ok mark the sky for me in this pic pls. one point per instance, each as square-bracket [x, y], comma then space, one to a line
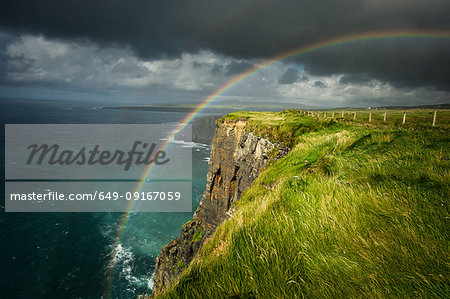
[181, 51]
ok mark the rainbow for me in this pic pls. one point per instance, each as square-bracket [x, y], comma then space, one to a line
[435, 34]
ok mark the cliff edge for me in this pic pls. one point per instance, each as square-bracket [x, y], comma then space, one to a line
[237, 158]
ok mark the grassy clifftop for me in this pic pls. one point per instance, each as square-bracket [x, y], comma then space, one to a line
[351, 211]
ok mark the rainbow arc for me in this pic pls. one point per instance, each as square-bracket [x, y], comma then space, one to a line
[354, 38]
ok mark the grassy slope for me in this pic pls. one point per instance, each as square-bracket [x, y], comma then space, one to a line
[352, 211]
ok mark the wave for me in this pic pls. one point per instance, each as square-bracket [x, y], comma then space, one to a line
[184, 143]
[125, 266]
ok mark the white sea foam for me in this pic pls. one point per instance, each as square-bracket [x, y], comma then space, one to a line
[124, 258]
[195, 145]
[201, 145]
[186, 143]
[182, 143]
[124, 262]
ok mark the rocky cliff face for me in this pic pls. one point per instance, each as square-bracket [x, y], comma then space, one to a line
[237, 158]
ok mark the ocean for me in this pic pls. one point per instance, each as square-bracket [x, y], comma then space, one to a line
[69, 255]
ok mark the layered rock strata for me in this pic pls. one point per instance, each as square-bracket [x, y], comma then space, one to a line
[237, 158]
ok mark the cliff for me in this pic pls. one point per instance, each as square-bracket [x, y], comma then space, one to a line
[348, 211]
[237, 157]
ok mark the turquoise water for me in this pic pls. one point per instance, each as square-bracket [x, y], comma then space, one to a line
[68, 255]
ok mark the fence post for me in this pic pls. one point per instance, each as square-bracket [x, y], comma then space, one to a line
[384, 119]
[343, 114]
[333, 115]
[370, 116]
[354, 115]
[434, 118]
[404, 117]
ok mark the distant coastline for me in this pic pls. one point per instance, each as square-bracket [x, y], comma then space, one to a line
[168, 108]
[224, 109]
[212, 109]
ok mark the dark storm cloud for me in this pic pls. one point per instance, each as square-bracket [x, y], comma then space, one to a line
[217, 69]
[290, 76]
[254, 29]
[19, 64]
[4, 39]
[402, 62]
[236, 67]
[197, 64]
[231, 68]
[354, 78]
[319, 84]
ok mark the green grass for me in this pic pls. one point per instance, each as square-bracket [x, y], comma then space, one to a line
[352, 211]
[181, 265]
[198, 235]
[415, 118]
[282, 127]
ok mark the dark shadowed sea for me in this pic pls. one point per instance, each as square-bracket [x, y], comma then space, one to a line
[68, 255]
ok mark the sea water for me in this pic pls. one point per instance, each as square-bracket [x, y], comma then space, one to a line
[71, 255]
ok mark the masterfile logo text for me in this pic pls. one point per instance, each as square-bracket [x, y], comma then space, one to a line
[53, 154]
[98, 168]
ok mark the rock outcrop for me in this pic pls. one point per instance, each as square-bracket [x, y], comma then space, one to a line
[237, 158]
